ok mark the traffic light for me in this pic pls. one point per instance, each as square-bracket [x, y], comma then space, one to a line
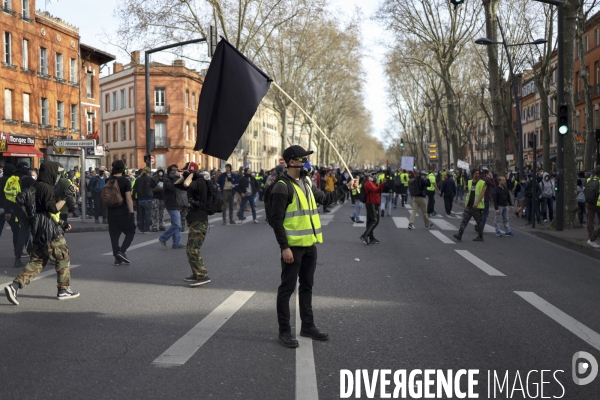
[433, 152]
[556, 184]
[401, 142]
[563, 119]
[457, 3]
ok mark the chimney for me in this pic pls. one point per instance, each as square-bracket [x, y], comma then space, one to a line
[179, 63]
[135, 57]
[117, 67]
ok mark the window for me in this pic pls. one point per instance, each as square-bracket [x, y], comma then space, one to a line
[115, 133]
[159, 99]
[130, 97]
[160, 129]
[123, 131]
[73, 70]
[74, 117]
[89, 123]
[122, 99]
[187, 98]
[161, 160]
[59, 66]
[26, 117]
[25, 54]
[7, 104]
[89, 84]
[114, 101]
[194, 132]
[7, 48]
[131, 161]
[193, 101]
[25, 9]
[107, 133]
[187, 158]
[60, 114]
[43, 61]
[45, 112]
[131, 129]
[107, 102]
[596, 37]
[187, 131]
[596, 72]
[194, 157]
[586, 44]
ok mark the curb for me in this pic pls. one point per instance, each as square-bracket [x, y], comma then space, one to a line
[583, 249]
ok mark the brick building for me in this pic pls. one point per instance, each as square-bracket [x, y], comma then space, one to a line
[50, 84]
[174, 99]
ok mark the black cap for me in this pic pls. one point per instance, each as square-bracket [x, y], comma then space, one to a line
[295, 151]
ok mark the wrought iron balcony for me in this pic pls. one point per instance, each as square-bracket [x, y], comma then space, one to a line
[9, 65]
[162, 142]
[44, 126]
[10, 121]
[74, 84]
[272, 149]
[27, 124]
[27, 71]
[161, 110]
[44, 75]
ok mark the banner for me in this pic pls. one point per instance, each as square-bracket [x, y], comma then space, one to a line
[462, 164]
[407, 163]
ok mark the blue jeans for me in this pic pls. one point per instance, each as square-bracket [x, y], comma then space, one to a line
[386, 203]
[245, 200]
[174, 230]
[358, 205]
[504, 215]
[459, 192]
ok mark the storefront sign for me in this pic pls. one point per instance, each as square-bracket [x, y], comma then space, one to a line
[2, 146]
[21, 140]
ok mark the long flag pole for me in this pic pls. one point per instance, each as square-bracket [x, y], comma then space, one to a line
[315, 124]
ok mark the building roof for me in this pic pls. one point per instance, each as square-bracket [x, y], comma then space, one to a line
[91, 53]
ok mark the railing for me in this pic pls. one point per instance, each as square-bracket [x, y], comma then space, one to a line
[74, 130]
[7, 10]
[161, 110]
[60, 128]
[272, 149]
[44, 126]
[26, 17]
[9, 65]
[60, 80]
[10, 121]
[162, 142]
[595, 90]
[577, 97]
[74, 84]
[27, 71]
[27, 124]
[44, 75]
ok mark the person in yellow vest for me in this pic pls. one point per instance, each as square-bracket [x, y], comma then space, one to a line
[404, 181]
[474, 207]
[297, 227]
[431, 191]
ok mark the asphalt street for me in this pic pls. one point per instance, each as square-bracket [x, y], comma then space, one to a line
[417, 300]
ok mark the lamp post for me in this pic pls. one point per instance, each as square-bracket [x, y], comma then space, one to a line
[488, 42]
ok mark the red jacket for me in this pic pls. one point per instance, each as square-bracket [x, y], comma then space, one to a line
[372, 191]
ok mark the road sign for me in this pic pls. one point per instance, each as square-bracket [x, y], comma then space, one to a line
[75, 143]
[433, 151]
[281, 161]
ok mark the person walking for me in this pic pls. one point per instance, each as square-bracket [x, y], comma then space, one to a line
[97, 183]
[417, 186]
[519, 194]
[460, 184]
[330, 181]
[502, 202]
[19, 181]
[431, 191]
[121, 219]
[248, 188]
[547, 197]
[447, 192]
[144, 185]
[227, 185]
[297, 228]
[473, 207]
[49, 243]
[580, 199]
[158, 201]
[373, 201]
[486, 176]
[358, 205]
[404, 188]
[387, 194]
[173, 206]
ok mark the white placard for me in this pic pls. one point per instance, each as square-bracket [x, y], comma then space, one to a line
[462, 164]
[407, 163]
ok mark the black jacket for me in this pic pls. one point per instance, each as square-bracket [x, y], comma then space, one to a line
[501, 197]
[197, 191]
[45, 228]
[245, 181]
[170, 194]
[143, 187]
[448, 187]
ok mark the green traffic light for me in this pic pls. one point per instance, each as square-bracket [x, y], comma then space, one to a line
[563, 130]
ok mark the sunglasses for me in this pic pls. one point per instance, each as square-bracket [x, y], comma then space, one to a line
[303, 159]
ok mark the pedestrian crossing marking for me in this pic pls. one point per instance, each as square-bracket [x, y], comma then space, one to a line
[401, 222]
[441, 236]
[306, 375]
[487, 228]
[482, 265]
[444, 225]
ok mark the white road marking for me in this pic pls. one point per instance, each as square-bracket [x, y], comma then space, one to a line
[482, 265]
[487, 228]
[441, 236]
[444, 225]
[406, 205]
[401, 222]
[326, 219]
[361, 225]
[183, 349]
[41, 275]
[583, 332]
[334, 209]
[306, 375]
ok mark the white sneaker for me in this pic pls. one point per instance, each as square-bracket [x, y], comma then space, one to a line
[593, 244]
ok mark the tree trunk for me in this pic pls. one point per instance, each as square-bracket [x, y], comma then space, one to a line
[570, 170]
[590, 139]
[453, 130]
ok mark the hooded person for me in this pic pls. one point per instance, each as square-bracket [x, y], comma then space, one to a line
[158, 202]
[547, 197]
[26, 181]
[143, 189]
[5, 215]
[48, 240]
[65, 190]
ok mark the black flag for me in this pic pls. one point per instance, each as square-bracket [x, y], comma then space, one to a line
[232, 90]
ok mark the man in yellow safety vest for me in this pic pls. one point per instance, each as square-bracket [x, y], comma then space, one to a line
[297, 227]
[474, 207]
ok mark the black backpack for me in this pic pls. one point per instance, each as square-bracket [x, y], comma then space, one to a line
[268, 198]
[389, 184]
[590, 191]
[26, 202]
[213, 203]
[413, 187]
[397, 181]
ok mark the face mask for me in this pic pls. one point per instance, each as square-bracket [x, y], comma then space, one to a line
[100, 173]
[160, 174]
[305, 168]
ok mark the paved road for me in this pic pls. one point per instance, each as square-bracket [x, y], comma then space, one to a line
[418, 300]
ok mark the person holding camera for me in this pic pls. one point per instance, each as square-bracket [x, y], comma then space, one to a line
[227, 184]
[173, 205]
[196, 186]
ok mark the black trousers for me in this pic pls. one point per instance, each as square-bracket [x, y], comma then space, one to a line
[117, 225]
[302, 269]
[372, 219]
[99, 208]
[448, 203]
[15, 228]
[430, 201]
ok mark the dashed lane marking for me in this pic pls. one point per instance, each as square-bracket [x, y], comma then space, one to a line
[306, 375]
[482, 265]
[183, 349]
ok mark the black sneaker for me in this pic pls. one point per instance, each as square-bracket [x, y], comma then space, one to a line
[154, 230]
[373, 241]
[352, 218]
[179, 246]
[200, 282]
[66, 294]
[314, 333]
[118, 261]
[457, 237]
[124, 258]
[478, 239]
[411, 226]
[364, 240]
[162, 228]
[382, 213]
[191, 278]
[12, 291]
[430, 226]
[288, 340]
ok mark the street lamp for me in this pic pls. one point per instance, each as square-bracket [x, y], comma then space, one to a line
[488, 42]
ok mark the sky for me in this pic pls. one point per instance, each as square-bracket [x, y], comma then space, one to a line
[93, 17]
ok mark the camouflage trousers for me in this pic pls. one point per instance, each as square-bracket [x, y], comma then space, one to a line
[58, 253]
[196, 237]
[158, 211]
[184, 213]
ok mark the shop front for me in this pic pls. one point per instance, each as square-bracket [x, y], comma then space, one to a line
[70, 157]
[17, 148]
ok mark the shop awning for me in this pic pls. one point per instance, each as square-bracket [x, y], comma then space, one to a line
[22, 151]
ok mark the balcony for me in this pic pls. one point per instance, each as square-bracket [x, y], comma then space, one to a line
[9, 66]
[26, 17]
[161, 110]
[162, 143]
[8, 10]
[60, 80]
[9, 121]
[44, 126]
[26, 124]
[27, 71]
[595, 90]
[60, 128]
[272, 149]
[74, 84]
[43, 75]
[74, 130]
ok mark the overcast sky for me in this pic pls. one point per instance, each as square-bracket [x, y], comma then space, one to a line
[94, 16]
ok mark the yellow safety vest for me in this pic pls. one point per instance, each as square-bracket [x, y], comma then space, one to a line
[354, 191]
[479, 187]
[404, 178]
[133, 187]
[302, 223]
[380, 178]
[12, 188]
[431, 178]
[55, 216]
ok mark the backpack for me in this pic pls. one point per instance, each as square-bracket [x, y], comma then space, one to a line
[26, 202]
[590, 191]
[12, 188]
[269, 198]
[389, 184]
[111, 193]
[397, 181]
[213, 203]
[413, 187]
